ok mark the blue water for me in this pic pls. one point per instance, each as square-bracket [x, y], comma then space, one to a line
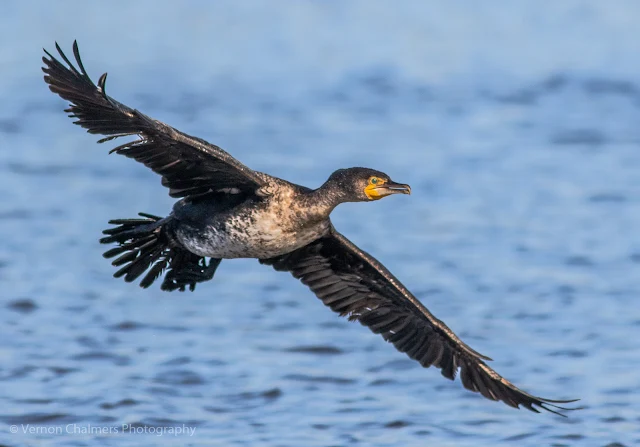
[517, 126]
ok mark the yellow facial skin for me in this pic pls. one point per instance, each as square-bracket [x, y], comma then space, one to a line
[371, 191]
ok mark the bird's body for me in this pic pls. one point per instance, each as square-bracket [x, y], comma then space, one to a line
[232, 225]
[228, 210]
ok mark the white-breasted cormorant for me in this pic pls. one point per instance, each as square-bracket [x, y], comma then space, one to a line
[230, 211]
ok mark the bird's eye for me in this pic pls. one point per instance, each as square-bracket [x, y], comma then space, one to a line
[373, 180]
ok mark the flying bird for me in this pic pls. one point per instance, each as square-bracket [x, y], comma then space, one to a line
[227, 210]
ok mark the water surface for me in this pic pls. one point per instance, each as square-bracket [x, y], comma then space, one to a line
[517, 127]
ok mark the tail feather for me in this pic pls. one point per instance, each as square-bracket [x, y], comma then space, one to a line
[154, 273]
[144, 244]
[125, 258]
[148, 254]
[126, 246]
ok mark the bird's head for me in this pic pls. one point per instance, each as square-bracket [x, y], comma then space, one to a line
[364, 185]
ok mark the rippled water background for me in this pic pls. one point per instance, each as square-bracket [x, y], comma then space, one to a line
[518, 127]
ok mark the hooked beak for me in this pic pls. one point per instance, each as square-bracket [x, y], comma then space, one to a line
[392, 188]
[377, 192]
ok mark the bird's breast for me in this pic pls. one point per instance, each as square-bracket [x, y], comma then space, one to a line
[261, 231]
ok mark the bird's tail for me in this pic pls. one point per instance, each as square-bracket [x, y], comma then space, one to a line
[145, 244]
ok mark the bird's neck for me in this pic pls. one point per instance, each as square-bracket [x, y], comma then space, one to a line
[322, 201]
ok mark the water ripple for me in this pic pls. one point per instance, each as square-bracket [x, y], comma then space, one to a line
[521, 233]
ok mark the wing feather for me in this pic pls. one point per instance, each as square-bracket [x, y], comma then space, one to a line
[353, 283]
[189, 166]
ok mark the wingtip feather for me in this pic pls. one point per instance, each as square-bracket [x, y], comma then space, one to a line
[101, 83]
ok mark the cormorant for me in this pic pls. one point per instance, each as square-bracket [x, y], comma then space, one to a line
[227, 210]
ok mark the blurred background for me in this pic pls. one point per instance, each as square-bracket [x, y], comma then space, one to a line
[516, 125]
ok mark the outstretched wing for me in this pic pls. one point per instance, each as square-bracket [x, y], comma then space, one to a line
[189, 166]
[353, 283]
